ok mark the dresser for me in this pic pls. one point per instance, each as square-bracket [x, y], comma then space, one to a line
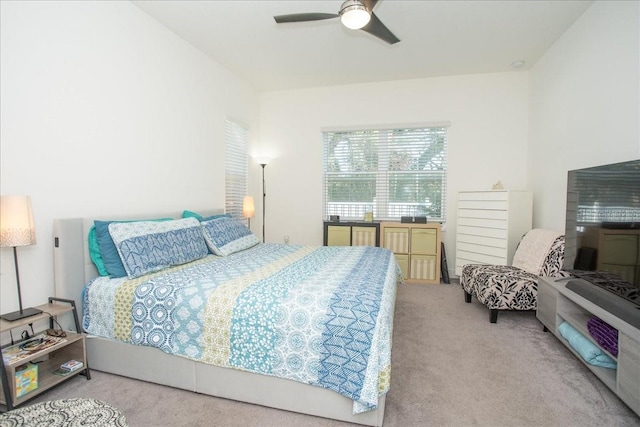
[416, 248]
[489, 226]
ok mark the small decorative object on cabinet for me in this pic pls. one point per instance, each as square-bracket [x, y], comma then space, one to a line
[417, 249]
[490, 225]
[558, 304]
[28, 367]
[355, 233]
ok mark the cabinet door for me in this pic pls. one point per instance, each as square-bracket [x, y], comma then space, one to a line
[424, 241]
[423, 267]
[363, 236]
[396, 239]
[547, 303]
[628, 372]
[338, 235]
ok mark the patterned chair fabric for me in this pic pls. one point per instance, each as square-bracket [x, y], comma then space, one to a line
[503, 287]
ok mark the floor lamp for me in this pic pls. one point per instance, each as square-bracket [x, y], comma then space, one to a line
[263, 162]
[17, 229]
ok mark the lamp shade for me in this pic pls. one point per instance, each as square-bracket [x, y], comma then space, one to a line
[16, 221]
[262, 160]
[354, 15]
[248, 207]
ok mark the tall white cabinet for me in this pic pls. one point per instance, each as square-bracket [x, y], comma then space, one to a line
[490, 225]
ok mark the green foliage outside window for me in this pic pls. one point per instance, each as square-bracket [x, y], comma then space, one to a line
[396, 171]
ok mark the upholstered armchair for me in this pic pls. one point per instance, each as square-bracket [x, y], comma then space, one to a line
[515, 287]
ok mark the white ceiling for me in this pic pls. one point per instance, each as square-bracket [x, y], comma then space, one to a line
[438, 38]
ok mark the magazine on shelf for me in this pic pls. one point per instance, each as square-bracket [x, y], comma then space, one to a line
[29, 347]
[71, 365]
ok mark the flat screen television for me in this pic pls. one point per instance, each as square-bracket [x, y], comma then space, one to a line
[602, 235]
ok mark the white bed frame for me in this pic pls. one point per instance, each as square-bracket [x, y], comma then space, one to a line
[73, 269]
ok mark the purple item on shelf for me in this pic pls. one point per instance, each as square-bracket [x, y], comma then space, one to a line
[604, 334]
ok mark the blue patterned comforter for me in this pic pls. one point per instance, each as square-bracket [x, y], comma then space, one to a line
[318, 315]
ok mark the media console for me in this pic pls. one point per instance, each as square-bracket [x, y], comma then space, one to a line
[557, 303]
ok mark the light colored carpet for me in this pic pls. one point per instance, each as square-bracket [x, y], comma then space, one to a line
[451, 367]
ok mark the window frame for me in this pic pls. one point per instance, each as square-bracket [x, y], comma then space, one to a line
[382, 152]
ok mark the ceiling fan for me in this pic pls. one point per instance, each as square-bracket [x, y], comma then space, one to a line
[354, 14]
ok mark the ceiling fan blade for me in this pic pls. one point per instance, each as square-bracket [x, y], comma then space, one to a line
[370, 4]
[303, 17]
[378, 29]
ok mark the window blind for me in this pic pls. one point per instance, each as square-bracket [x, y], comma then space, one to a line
[390, 172]
[236, 167]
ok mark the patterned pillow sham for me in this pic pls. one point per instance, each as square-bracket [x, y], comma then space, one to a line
[147, 246]
[225, 236]
[103, 251]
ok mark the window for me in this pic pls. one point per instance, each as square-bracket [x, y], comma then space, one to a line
[236, 167]
[390, 172]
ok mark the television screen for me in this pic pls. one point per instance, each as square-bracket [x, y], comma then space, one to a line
[603, 225]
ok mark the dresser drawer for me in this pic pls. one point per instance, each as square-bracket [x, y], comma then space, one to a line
[423, 267]
[396, 239]
[498, 252]
[483, 195]
[474, 230]
[483, 214]
[338, 236]
[474, 239]
[495, 205]
[363, 236]
[424, 241]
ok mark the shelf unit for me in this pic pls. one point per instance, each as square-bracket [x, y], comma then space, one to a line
[48, 359]
[416, 248]
[557, 304]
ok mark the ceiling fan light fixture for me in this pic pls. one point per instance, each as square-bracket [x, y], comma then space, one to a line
[354, 14]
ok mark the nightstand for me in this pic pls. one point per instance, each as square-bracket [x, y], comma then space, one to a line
[44, 361]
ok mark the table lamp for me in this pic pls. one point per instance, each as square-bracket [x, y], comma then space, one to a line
[248, 209]
[17, 229]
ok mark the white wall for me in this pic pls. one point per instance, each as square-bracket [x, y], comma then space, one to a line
[487, 140]
[584, 103]
[103, 110]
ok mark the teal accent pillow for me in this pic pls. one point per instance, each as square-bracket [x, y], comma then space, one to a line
[94, 252]
[190, 214]
[110, 257]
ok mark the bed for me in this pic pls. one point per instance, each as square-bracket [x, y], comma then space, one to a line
[320, 345]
